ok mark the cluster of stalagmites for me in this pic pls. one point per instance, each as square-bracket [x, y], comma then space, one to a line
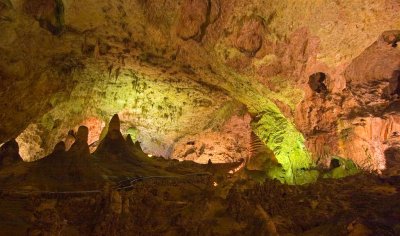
[115, 143]
[110, 211]
[76, 151]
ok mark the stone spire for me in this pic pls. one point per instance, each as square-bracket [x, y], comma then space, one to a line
[80, 146]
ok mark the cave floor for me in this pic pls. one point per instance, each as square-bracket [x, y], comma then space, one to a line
[184, 198]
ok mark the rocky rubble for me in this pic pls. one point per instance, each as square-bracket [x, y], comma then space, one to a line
[195, 206]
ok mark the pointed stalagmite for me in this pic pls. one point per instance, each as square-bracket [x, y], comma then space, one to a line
[113, 142]
[114, 123]
[82, 135]
[114, 128]
[129, 141]
[115, 147]
[135, 145]
[80, 146]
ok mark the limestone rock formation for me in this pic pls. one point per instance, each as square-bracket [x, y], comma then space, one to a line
[303, 68]
[250, 37]
[80, 147]
[9, 153]
[264, 92]
[194, 19]
[114, 146]
[230, 144]
[135, 147]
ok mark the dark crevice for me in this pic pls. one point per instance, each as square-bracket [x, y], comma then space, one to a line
[334, 163]
[204, 26]
[317, 83]
[396, 80]
[392, 156]
[56, 25]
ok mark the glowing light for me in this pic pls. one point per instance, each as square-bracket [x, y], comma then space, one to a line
[287, 144]
[237, 168]
[215, 184]
[149, 155]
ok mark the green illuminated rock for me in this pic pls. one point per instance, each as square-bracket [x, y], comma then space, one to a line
[287, 144]
[345, 168]
[275, 130]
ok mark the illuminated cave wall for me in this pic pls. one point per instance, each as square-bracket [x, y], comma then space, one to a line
[167, 67]
[160, 111]
[229, 143]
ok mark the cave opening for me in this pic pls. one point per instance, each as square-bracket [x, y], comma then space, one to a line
[334, 163]
[317, 83]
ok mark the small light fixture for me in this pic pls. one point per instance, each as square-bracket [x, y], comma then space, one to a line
[149, 155]
[215, 184]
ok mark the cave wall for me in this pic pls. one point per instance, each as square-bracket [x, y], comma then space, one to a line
[62, 62]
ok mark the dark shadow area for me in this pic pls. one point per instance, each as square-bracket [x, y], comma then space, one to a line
[392, 156]
[334, 163]
[396, 81]
[317, 83]
[392, 91]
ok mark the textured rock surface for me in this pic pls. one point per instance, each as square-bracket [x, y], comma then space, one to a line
[363, 205]
[369, 138]
[166, 65]
[230, 144]
[120, 191]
